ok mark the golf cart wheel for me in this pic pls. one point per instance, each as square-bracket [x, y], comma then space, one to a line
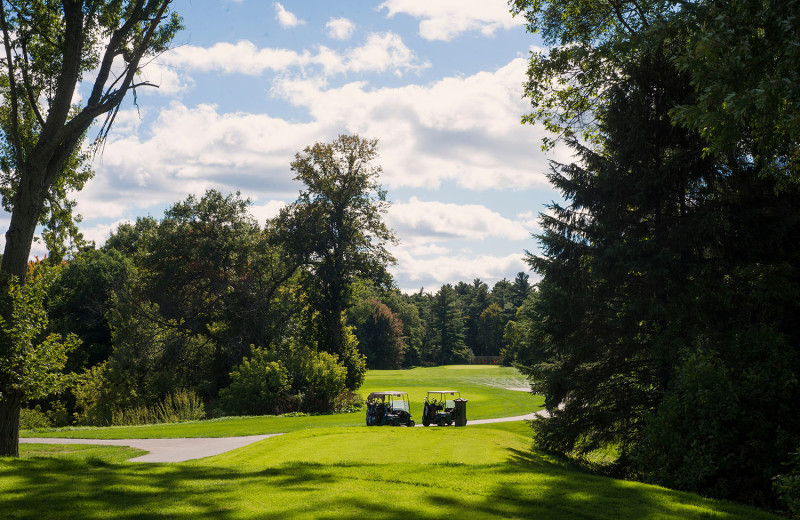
[426, 422]
[440, 422]
[411, 423]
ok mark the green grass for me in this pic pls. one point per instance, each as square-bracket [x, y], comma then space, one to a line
[480, 472]
[484, 387]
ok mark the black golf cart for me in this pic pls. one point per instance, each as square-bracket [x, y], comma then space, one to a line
[388, 408]
[440, 407]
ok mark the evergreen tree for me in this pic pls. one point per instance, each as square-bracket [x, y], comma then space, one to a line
[446, 327]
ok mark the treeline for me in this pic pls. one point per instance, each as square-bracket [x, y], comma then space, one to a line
[198, 314]
[204, 312]
[454, 325]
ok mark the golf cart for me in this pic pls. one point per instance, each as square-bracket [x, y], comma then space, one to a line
[440, 408]
[388, 408]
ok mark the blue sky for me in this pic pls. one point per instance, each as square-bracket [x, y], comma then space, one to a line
[251, 82]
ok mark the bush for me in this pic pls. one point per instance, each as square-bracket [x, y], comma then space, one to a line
[32, 418]
[787, 487]
[348, 402]
[91, 409]
[258, 386]
[326, 379]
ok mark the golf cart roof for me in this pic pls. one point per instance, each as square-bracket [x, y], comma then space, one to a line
[389, 393]
[451, 392]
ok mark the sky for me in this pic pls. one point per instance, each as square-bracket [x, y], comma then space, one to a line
[249, 83]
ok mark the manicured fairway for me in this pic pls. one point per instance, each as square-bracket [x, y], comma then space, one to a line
[484, 386]
[333, 467]
[481, 472]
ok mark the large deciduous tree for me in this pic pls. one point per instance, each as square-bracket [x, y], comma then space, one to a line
[49, 48]
[336, 230]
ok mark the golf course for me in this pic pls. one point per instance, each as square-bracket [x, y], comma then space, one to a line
[333, 466]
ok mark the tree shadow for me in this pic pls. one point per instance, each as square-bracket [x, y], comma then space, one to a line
[528, 485]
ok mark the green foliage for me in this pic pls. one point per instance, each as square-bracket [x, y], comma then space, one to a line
[787, 487]
[92, 407]
[177, 406]
[79, 300]
[335, 229]
[445, 328]
[258, 386]
[380, 334]
[30, 359]
[670, 275]
[325, 380]
[33, 418]
[687, 444]
[742, 57]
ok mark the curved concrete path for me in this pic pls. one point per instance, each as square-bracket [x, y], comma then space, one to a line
[165, 450]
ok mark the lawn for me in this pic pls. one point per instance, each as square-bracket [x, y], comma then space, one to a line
[485, 387]
[332, 467]
[482, 472]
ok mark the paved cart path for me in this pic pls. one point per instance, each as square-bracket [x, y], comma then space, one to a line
[166, 450]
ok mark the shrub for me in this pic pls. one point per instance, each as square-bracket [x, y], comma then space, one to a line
[90, 407]
[258, 386]
[32, 418]
[348, 402]
[326, 379]
[787, 487]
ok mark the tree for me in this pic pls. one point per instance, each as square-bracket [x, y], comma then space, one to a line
[79, 300]
[380, 336]
[740, 57]
[446, 328]
[207, 272]
[520, 289]
[33, 360]
[615, 266]
[670, 278]
[335, 229]
[48, 49]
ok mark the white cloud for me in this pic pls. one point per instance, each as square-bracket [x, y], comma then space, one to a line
[437, 271]
[340, 28]
[285, 18]
[99, 233]
[446, 19]
[243, 57]
[268, 210]
[530, 220]
[438, 220]
[458, 130]
[463, 130]
[381, 52]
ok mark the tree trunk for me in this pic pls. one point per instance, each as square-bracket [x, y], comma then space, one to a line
[9, 424]
[25, 215]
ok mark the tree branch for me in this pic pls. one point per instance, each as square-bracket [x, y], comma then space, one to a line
[27, 85]
[12, 87]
